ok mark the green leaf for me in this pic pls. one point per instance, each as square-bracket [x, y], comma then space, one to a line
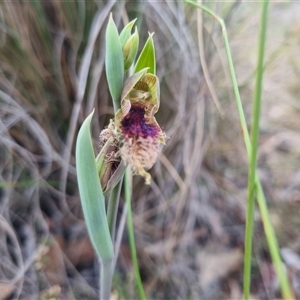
[126, 33]
[91, 194]
[147, 57]
[114, 62]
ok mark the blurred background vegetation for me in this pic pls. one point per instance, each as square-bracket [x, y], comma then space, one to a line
[189, 223]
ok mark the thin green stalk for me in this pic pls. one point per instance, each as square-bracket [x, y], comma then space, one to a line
[112, 209]
[127, 184]
[269, 231]
[253, 155]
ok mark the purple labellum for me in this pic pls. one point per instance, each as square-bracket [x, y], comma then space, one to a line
[134, 124]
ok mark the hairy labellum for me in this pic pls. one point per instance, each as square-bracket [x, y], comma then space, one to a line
[134, 124]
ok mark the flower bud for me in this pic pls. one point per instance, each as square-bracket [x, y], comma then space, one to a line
[130, 50]
[126, 32]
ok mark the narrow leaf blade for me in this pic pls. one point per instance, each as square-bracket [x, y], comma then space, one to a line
[91, 194]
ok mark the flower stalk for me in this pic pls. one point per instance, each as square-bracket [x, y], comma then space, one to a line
[131, 140]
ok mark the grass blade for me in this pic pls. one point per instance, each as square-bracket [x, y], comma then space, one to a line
[269, 231]
[253, 155]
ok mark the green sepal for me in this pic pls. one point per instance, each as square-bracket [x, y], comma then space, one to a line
[114, 62]
[147, 57]
[126, 32]
[109, 175]
[116, 177]
[100, 161]
[91, 194]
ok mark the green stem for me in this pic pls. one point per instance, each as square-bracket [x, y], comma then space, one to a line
[107, 271]
[269, 231]
[127, 185]
[112, 209]
[253, 155]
